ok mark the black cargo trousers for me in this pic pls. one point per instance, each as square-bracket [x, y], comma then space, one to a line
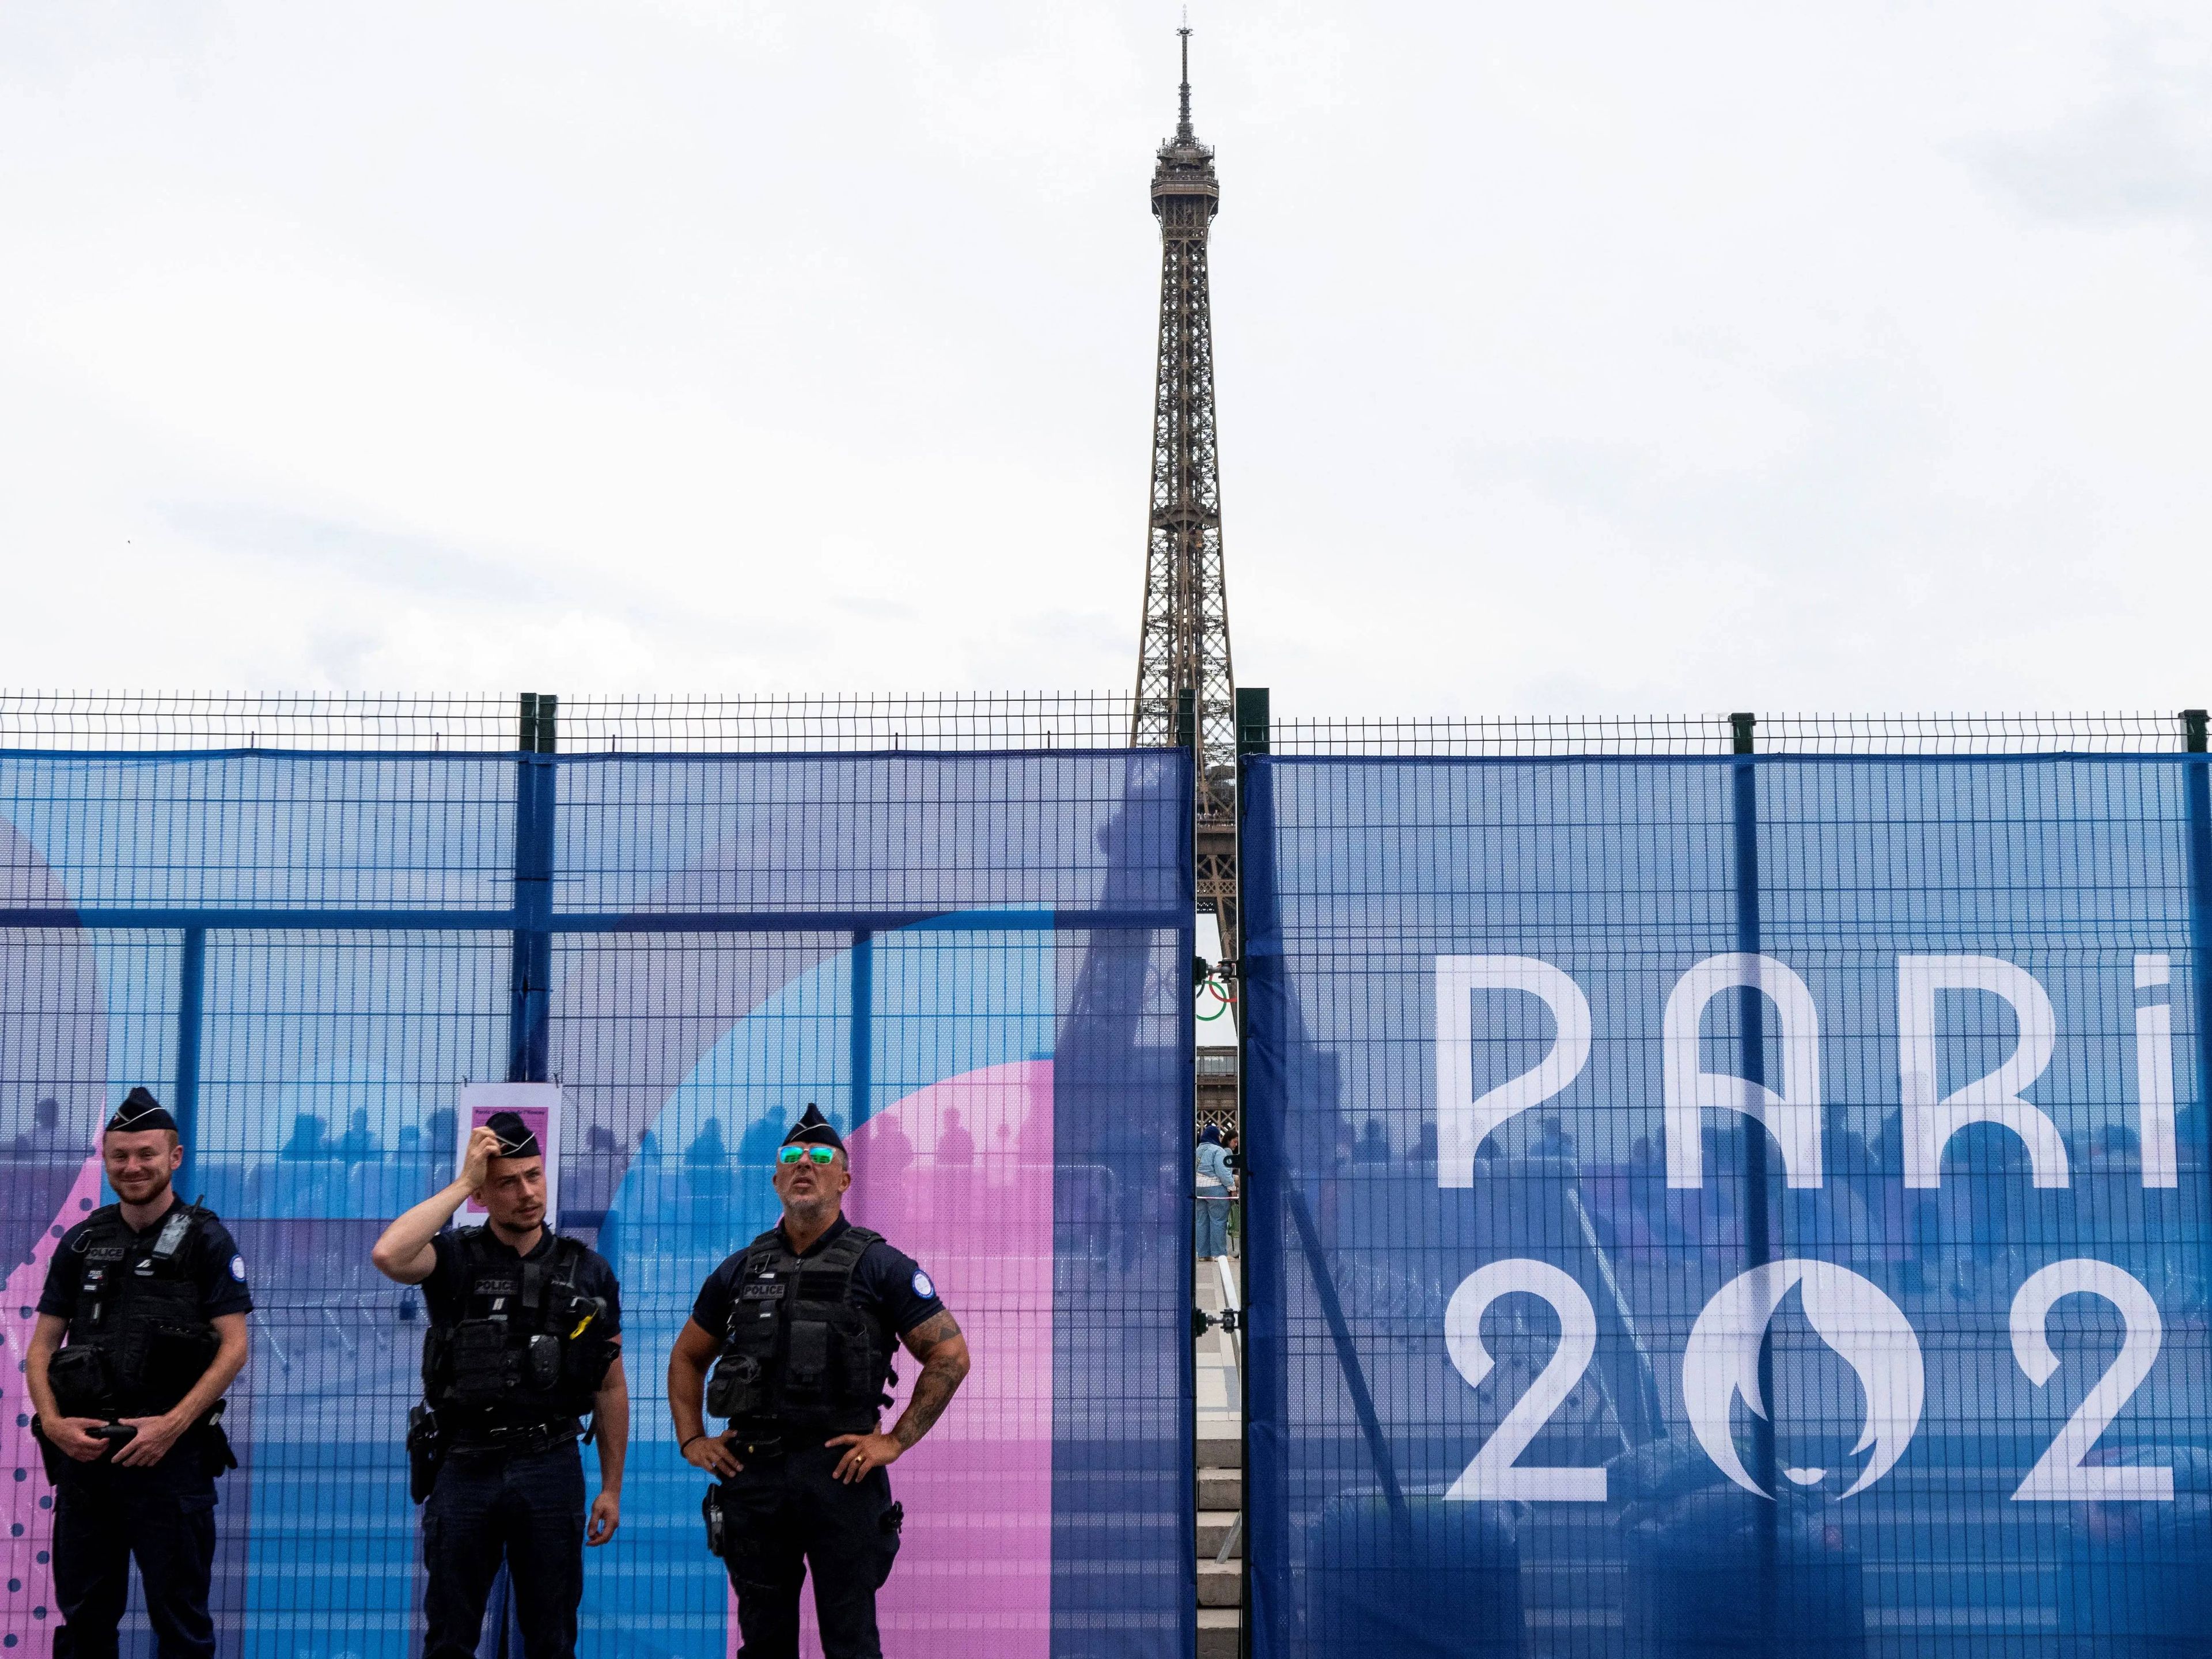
[784, 1515]
[106, 1514]
[526, 1508]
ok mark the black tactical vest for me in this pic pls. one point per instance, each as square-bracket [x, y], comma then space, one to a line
[798, 1351]
[528, 1347]
[137, 1341]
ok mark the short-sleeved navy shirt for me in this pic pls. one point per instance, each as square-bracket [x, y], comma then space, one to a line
[442, 1294]
[211, 1262]
[889, 1286]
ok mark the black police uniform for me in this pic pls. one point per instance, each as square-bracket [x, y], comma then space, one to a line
[808, 1342]
[141, 1307]
[518, 1345]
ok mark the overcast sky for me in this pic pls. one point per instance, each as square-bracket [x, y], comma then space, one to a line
[1600, 357]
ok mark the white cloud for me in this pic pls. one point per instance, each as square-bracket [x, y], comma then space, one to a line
[1602, 358]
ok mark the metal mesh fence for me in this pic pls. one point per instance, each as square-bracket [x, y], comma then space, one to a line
[1715, 734]
[1701, 1205]
[777, 724]
[855, 722]
[963, 923]
[98, 720]
[1011, 719]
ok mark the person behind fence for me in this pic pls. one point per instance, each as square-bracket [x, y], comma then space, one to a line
[1215, 1183]
[525, 1339]
[45, 1138]
[801, 1327]
[1232, 1158]
[141, 1328]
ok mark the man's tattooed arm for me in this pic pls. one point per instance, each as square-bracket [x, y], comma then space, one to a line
[943, 1352]
[931, 1332]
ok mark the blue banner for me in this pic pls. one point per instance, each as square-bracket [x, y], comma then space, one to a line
[1728, 1206]
[977, 965]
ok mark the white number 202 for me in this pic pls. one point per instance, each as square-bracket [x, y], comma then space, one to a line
[1496, 1473]
[2059, 1475]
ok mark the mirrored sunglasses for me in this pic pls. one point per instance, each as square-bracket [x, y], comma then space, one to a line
[811, 1154]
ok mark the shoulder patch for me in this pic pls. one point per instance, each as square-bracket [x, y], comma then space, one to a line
[922, 1287]
[238, 1268]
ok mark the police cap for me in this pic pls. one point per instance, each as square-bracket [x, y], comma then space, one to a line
[813, 1130]
[139, 1113]
[516, 1138]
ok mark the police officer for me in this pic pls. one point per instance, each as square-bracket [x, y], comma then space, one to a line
[525, 1339]
[801, 1327]
[150, 1294]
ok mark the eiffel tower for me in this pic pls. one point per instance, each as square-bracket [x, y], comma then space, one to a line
[1186, 690]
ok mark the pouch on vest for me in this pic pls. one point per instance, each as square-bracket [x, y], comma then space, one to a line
[736, 1390]
[80, 1380]
[177, 1357]
[857, 1376]
[477, 1358]
[586, 1357]
[806, 1368]
[542, 1362]
[587, 1362]
[740, 1387]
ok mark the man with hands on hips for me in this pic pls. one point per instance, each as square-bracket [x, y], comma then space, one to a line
[801, 1327]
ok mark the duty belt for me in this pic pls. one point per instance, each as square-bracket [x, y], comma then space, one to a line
[758, 1441]
[527, 1437]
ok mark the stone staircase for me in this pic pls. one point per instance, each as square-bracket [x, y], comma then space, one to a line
[1221, 1581]
[1220, 1460]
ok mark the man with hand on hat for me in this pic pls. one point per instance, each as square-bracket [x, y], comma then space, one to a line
[150, 1294]
[525, 1339]
[801, 1327]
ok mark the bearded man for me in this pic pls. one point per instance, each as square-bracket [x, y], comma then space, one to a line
[525, 1340]
[142, 1328]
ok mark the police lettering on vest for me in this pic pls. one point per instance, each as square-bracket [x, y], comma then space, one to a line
[139, 1336]
[799, 1351]
[517, 1342]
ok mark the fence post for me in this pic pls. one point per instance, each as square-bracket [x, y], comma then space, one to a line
[1758, 1227]
[1252, 722]
[2196, 787]
[191, 978]
[528, 1033]
[860, 1065]
[529, 1037]
[1253, 737]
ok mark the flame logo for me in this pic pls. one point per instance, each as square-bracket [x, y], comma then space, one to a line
[1851, 1316]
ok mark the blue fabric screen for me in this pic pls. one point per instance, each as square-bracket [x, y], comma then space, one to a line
[977, 964]
[1728, 1206]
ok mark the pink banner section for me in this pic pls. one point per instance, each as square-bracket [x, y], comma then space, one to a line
[27, 1598]
[959, 1175]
